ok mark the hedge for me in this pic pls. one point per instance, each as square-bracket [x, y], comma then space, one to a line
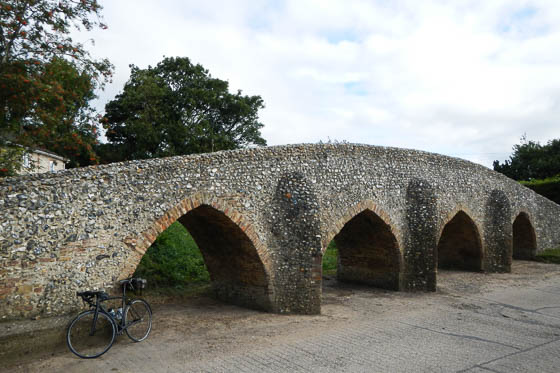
[549, 187]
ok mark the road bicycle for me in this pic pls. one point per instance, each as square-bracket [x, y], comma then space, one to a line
[92, 332]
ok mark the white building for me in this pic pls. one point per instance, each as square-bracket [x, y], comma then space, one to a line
[38, 161]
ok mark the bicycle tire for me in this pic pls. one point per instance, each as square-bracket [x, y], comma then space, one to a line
[80, 340]
[138, 319]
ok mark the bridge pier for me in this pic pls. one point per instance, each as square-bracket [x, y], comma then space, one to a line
[420, 241]
[498, 233]
[295, 238]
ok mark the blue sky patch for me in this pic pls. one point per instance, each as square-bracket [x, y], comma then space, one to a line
[356, 88]
[520, 24]
[337, 36]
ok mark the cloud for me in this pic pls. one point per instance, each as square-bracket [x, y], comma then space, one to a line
[464, 78]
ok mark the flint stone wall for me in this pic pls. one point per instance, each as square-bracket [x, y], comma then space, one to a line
[279, 206]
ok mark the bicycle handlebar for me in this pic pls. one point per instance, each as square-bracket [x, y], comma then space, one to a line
[138, 282]
[134, 282]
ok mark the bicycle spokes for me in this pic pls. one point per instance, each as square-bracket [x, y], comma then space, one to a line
[90, 335]
[138, 320]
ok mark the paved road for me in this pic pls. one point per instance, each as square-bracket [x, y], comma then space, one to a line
[474, 323]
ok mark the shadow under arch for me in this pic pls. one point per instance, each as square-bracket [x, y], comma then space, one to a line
[459, 245]
[368, 249]
[524, 238]
[235, 257]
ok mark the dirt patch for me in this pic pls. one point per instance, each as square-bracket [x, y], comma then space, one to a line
[197, 328]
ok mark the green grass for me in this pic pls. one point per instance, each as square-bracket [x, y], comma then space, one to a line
[549, 256]
[330, 259]
[173, 262]
[548, 180]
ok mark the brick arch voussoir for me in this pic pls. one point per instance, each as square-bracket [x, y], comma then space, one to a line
[139, 243]
[351, 213]
[451, 214]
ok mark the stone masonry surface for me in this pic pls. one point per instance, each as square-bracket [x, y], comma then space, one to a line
[263, 218]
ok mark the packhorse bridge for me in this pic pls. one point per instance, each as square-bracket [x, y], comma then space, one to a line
[263, 218]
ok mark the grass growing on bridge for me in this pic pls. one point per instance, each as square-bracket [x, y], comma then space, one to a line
[549, 256]
[173, 261]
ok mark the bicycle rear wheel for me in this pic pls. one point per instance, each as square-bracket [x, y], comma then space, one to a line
[87, 339]
[138, 319]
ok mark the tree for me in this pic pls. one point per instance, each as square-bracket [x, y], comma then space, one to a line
[47, 79]
[10, 159]
[177, 108]
[62, 119]
[531, 160]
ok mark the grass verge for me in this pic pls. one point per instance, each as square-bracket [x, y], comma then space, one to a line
[549, 256]
[330, 259]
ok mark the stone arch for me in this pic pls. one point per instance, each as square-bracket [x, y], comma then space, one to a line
[236, 259]
[524, 237]
[368, 248]
[459, 245]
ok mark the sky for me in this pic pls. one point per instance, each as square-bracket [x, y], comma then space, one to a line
[461, 78]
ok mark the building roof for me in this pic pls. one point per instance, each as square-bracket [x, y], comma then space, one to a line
[49, 154]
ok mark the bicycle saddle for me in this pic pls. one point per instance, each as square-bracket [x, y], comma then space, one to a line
[89, 294]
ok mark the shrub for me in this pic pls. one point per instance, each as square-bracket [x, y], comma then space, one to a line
[549, 187]
[173, 260]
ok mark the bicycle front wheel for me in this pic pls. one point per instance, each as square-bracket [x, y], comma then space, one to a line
[89, 338]
[138, 319]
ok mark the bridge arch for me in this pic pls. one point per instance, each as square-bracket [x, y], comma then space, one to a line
[368, 248]
[459, 243]
[235, 257]
[524, 237]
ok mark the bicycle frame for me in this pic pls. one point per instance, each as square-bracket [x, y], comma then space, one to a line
[119, 323]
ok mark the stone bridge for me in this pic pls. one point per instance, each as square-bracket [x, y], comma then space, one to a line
[263, 218]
